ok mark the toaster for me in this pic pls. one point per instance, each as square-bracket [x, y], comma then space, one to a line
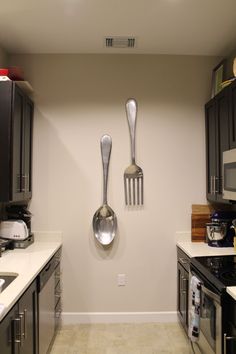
[14, 230]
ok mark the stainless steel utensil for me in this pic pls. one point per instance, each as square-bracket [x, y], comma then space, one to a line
[216, 232]
[133, 175]
[104, 220]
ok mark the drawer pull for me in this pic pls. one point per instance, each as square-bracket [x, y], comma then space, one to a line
[183, 260]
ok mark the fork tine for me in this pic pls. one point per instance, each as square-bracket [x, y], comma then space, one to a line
[141, 190]
[133, 191]
[130, 203]
[138, 195]
[125, 187]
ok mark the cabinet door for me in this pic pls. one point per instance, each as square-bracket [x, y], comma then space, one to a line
[232, 114]
[217, 141]
[28, 314]
[183, 295]
[8, 333]
[27, 148]
[222, 138]
[16, 120]
[211, 150]
[17, 124]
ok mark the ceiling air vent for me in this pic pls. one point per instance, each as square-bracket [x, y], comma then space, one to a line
[120, 42]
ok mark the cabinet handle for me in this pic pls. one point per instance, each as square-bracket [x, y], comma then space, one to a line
[211, 185]
[23, 315]
[18, 180]
[216, 179]
[23, 183]
[225, 341]
[183, 260]
[18, 331]
[58, 275]
[27, 183]
[183, 284]
[25, 323]
[213, 180]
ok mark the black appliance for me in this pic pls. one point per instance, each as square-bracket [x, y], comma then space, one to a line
[6, 245]
[220, 231]
[217, 333]
[49, 302]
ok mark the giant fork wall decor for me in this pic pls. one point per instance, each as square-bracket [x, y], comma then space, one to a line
[133, 175]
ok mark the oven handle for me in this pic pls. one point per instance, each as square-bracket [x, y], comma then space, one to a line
[210, 293]
[225, 341]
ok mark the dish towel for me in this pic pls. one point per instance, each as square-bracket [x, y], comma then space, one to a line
[194, 308]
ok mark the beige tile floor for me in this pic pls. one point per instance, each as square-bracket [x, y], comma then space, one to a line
[148, 338]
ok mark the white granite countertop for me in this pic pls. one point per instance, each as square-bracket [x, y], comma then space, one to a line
[198, 249]
[27, 263]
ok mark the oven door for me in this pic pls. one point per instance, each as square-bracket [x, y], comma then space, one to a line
[210, 339]
[210, 334]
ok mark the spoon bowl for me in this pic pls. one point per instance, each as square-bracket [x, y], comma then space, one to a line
[104, 225]
[104, 219]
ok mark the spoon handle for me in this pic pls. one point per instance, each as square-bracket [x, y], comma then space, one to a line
[106, 144]
[131, 112]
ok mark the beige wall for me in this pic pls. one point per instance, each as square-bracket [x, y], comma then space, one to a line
[79, 98]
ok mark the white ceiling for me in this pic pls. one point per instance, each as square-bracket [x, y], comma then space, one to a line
[198, 27]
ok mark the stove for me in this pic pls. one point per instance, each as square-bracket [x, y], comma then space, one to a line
[216, 330]
[219, 270]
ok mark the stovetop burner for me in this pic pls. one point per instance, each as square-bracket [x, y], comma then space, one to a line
[229, 275]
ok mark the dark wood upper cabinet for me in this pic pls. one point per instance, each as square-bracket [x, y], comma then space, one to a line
[232, 114]
[217, 141]
[16, 123]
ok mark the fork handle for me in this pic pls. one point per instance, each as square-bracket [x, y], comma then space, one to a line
[106, 144]
[131, 112]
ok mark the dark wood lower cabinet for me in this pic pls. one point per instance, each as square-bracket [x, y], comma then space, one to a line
[182, 287]
[18, 329]
[7, 332]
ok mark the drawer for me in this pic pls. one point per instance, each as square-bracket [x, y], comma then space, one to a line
[183, 259]
[58, 315]
[58, 288]
[57, 274]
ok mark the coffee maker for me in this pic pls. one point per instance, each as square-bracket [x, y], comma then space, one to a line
[220, 231]
[21, 212]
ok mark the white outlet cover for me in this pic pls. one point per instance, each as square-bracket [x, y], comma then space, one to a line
[121, 279]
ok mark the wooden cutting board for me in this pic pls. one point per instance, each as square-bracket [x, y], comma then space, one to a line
[201, 214]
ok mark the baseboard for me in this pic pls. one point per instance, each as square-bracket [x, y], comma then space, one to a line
[118, 317]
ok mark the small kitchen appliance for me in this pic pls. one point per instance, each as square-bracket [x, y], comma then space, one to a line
[220, 232]
[17, 227]
[13, 230]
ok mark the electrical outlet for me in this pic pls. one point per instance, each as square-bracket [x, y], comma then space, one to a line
[121, 279]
